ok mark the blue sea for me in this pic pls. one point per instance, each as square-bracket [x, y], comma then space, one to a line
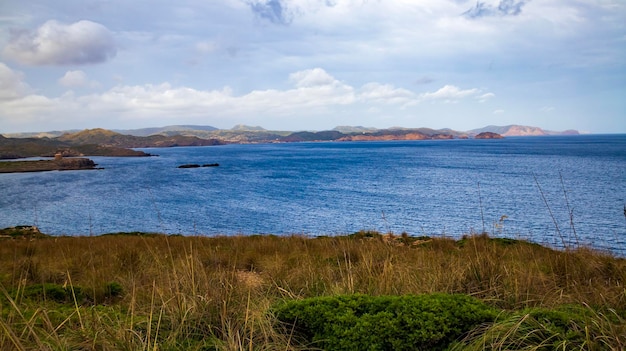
[558, 190]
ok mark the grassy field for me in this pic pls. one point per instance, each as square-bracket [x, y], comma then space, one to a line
[155, 292]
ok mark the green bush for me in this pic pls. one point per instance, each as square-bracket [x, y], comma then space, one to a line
[113, 289]
[51, 292]
[567, 327]
[363, 322]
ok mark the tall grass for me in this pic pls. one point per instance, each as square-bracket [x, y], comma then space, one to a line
[156, 292]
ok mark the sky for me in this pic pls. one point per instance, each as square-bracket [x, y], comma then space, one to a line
[313, 64]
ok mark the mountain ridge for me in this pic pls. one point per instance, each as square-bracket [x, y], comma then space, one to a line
[519, 130]
[100, 142]
[249, 132]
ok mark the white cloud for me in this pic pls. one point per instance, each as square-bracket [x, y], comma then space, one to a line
[77, 79]
[314, 89]
[485, 97]
[12, 85]
[311, 78]
[450, 93]
[55, 43]
[315, 93]
[386, 93]
[498, 112]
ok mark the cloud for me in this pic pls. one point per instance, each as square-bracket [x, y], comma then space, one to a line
[485, 97]
[451, 93]
[314, 93]
[387, 94]
[77, 79]
[313, 89]
[271, 10]
[312, 77]
[55, 43]
[498, 112]
[504, 8]
[12, 85]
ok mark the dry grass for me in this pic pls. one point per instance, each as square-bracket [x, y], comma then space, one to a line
[215, 293]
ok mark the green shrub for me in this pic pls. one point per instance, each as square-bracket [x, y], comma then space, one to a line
[51, 292]
[113, 289]
[363, 322]
[568, 327]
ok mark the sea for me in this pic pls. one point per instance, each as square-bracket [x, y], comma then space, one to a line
[560, 191]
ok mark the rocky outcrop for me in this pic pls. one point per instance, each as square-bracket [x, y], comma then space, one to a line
[488, 135]
[194, 165]
[74, 163]
[58, 164]
[28, 232]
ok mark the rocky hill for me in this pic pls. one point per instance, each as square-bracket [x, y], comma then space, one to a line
[255, 134]
[354, 129]
[517, 130]
[12, 148]
[93, 142]
[109, 138]
[97, 142]
[163, 130]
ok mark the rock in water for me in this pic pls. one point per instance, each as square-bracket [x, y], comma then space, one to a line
[488, 135]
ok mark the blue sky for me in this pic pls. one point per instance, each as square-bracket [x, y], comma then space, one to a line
[313, 64]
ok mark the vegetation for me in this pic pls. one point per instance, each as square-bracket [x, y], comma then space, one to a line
[363, 322]
[157, 292]
[109, 138]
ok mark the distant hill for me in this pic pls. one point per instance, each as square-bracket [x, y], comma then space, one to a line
[517, 130]
[329, 135]
[106, 137]
[196, 135]
[93, 142]
[354, 129]
[163, 130]
[49, 134]
[11, 148]
[243, 127]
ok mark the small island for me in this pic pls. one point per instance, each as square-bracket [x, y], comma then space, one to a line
[488, 135]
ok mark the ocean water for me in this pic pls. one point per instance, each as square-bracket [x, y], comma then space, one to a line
[557, 191]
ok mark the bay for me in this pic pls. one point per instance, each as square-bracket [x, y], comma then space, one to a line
[558, 190]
